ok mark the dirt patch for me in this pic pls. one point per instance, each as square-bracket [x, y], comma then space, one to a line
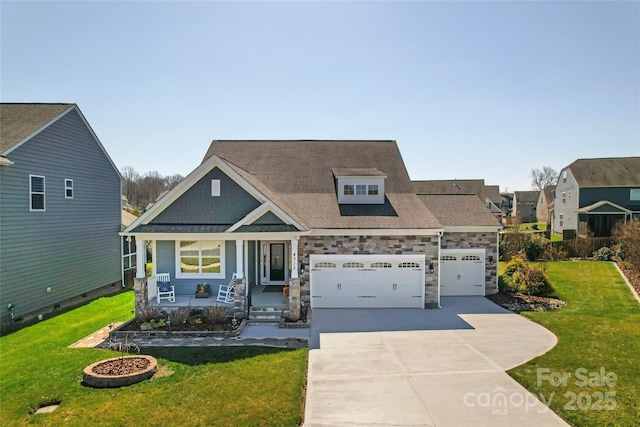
[519, 302]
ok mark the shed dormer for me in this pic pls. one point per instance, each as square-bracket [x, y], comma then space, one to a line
[359, 186]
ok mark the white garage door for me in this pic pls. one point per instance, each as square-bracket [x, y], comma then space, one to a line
[461, 272]
[367, 281]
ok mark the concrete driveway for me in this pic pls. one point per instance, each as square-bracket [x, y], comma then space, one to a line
[441, 367]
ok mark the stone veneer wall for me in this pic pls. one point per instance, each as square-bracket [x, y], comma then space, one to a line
[371, 245]
[478, 240]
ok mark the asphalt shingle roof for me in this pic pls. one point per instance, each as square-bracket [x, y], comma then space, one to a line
[18, 121]
[606, 172]
[299, 177]
[459, 210]
[451, 186]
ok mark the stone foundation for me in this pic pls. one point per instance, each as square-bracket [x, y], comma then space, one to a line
[140, 293]
[294, 299]
[240, 303]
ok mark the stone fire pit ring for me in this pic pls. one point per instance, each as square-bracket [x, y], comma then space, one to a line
[93, 379]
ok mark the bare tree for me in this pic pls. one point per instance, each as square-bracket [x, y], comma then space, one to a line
[145, 189]
[543, 178]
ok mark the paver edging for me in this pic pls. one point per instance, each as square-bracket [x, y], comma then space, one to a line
[118, 333]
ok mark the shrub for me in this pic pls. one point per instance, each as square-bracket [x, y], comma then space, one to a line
[603, 254]
[534, 246]
[179, 316]
[521, 276]
[148, 314]
[628, 236]
[619, 251]
[552, 253]
[215, 314]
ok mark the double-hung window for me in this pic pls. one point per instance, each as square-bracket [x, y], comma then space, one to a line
[68, 189]
[129, 252]
[200, 259]
[36, 192]
[361, 190]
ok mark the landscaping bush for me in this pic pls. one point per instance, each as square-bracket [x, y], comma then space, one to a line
[534, 246]
[215, 314]
[179, 316]
[603, 254]
[619, 251]
[521, 276]
[552, 253]
[628, 236]
[148, 314]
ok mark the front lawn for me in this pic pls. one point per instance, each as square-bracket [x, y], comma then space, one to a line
[592, 376]
[197, 386]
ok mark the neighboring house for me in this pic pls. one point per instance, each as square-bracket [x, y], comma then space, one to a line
[339, 222]
[60, 212]
[469, 250]
[493, 200]
[524, 205]
[544, 207]
[506, 204]
[592, 195]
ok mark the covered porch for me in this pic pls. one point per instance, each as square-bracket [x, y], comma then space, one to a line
[600, 218]
[260, 268]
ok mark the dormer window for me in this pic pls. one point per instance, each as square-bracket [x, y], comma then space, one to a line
[360, 186]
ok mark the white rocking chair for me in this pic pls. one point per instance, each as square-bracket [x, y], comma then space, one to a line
[165, 289]
[226, 292]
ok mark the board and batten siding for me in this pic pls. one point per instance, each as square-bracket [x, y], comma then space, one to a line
[198, 206]
[72, 247]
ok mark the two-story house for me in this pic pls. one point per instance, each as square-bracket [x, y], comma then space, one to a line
[525, 205]
[592, 195]
[59, 213]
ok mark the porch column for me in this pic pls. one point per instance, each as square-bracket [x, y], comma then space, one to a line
[294, 258]
[239, 259]
[141, 258]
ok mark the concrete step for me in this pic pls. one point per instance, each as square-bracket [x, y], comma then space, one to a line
[265, 315]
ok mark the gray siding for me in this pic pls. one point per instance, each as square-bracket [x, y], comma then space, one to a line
[165, 257]
[73, 247]
[268, 219]
[197, 206]
[569, 207]
[618, 195]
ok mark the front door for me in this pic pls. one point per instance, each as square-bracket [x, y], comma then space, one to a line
[276, 273]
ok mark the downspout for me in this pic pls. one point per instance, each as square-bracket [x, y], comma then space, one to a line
[440, 233]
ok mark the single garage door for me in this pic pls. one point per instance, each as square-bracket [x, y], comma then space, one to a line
[367, 281]
[461, 272]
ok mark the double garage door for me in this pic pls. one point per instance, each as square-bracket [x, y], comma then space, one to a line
[367, 281]
[462, 272]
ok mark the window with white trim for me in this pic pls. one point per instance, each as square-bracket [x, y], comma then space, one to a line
[129, 252]
[200, 259]
[634, 194]
[381, 265]
[408, 265]
[564, 176]
[561, 220]
[352, 265]
[348, 190]
[372, 190]
[68, 189]
[361, 190]
[564, 197]
[36, 192]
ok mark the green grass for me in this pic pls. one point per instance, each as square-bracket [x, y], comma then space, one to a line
[598, 329]
[556, 238]
[526, 227]
[234, 386]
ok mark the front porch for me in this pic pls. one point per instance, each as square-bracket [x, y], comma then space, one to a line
[261, 270]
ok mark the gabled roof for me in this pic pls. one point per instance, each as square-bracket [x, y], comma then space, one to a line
[459, 210]
[451, 186]
[492, 192]
[601, 203]
[19, 121]
[298, 176]
[606, 172]
[526, 196]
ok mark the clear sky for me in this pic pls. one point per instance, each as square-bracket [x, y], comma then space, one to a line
[467, 89]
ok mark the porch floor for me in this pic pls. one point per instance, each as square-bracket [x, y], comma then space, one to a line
[260, 298]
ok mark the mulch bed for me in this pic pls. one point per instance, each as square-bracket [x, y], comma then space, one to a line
[633, 276]
[519, 302]
[134, 326]
[125, 366]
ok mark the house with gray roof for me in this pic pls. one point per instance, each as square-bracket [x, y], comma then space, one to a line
[336, 224]
[592, 195]
[525, 205]
[544, 209]
[60, 212]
